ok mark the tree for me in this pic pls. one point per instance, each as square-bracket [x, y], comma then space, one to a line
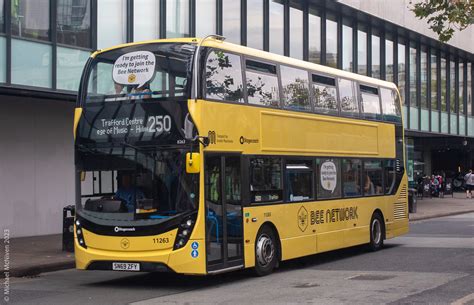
[445, 16]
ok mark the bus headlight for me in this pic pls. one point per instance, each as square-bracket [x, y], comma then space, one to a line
[80, 236]
[184, 232]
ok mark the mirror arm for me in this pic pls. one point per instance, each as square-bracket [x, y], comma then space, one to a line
[204, 141]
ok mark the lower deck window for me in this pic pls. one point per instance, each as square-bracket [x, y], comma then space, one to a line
[389, 175]
[351, 170]
[265, 180]
[299, 179]
[373, 178]
[329, 181]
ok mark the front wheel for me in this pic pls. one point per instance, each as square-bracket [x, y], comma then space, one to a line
[376, 232]
[266, 251]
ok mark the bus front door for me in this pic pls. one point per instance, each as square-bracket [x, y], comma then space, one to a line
[224, 231]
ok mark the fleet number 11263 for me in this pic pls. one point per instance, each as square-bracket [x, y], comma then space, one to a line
[161, 240]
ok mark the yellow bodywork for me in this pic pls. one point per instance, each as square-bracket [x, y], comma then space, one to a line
[77, 117]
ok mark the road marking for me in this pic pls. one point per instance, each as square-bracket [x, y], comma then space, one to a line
[464, 300]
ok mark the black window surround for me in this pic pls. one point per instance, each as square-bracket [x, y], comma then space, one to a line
[315, 196]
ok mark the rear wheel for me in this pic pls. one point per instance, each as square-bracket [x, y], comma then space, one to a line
[266, 251]
[377, 229]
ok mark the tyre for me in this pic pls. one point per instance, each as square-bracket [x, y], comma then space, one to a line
[377, 230]
[266, 251]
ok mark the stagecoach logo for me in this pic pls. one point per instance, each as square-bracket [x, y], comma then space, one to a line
[244, 140]
[125, 243]
[120, 229]
[302, 219]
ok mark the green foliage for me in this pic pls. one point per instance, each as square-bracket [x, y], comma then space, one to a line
[444, 17]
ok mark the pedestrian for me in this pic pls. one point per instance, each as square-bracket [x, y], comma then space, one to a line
[442, 185]
[469, 178]
[434, 186]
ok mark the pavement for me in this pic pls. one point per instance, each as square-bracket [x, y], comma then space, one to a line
[30, 256]
[437, 207]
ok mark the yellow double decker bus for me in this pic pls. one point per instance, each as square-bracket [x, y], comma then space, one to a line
[199, 156]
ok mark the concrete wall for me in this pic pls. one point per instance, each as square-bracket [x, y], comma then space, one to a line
[398, 12]
[36, 164]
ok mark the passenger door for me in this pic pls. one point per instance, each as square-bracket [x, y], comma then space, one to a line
[224, 226]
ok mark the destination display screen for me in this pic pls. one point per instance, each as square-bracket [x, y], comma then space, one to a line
[160, 123]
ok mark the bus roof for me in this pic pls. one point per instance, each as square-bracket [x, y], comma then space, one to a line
[266, 56]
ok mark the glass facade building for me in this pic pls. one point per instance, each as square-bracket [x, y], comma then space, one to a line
[45, 43]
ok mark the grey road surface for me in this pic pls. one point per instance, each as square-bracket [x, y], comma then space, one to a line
[434, 264]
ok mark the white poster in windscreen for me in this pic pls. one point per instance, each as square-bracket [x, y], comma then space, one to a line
[134, 68]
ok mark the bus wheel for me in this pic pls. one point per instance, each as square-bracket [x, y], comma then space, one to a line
[266, 255]
[376, 232]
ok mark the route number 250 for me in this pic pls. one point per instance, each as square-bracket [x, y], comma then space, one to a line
[159, 123]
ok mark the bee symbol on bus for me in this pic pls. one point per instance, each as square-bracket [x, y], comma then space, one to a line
[132, 78]
[125, 243]
[302, 219]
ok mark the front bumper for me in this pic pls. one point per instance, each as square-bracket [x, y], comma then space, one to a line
[102, 251]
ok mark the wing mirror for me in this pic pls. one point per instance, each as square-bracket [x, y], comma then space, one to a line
[193, 163]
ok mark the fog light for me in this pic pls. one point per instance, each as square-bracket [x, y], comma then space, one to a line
[81, 241]
[79, 231]
[189, 223]
[78, 223]
[185, 232]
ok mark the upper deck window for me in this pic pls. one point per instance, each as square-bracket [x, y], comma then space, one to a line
[390, 105]
[127, 73]
[325, 97]
[295, 88]
[348, 97]
[262, 84]
[224, 77]
[370, 102]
